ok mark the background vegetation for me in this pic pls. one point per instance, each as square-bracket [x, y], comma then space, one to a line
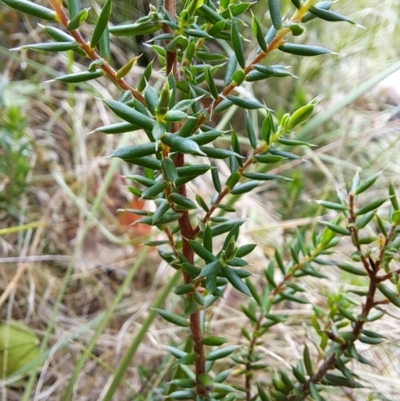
[59, 200]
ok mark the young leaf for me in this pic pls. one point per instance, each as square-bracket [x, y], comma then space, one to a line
[366, 184]
[125, 69]
[78, 19]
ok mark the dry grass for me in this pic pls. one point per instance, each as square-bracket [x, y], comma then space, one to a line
[68, 170]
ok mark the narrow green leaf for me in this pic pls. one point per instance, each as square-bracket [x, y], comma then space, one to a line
[50, 47]
[146, 161]
[235, 280]
[201, 251]
[393, 198]
[262, 176]
[79, 77]
[296, 3]
[324, 5]
[314, 392]
[366, 184]
[220, 353]
[210, 83]
[224, 227]
[246, 103]
[183, 145]
[274, 10]
[73, 7]
[29, 7]
[206, 137]
[303, 50]
[250, 132]
[155, 190]
[193, 171]
[118, 128]
[169, 170]
[300, 116]
[213, 340]
[371, 207]
[130, 115]
[211, 269]
[329, 15]
[101, 24]
[389, 294]
[257, 32]
[237, 44]
[182, 395]
[182, 202]
[335, 228]
[139, 28]
[131, 152]
[174, 319]
[307, 361]
[215, 153]
[335, 380]
[126, 68]
[262, 393]
[290, 297]
[370, 340]
[162, 209]
[230, 69]
[60, 36]
[273, 70]
[78, 19]
[245, 250]
[243, 188]
[351, 269]
[268, 158]
[331, 205]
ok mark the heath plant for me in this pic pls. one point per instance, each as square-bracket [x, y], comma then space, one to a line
[201, 53]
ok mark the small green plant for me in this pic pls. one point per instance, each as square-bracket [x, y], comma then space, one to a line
[178, 121]
[15, 149]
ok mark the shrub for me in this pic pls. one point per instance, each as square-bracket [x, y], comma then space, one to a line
[200, 84]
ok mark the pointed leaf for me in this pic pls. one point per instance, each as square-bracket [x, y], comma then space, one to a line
[101, 24]
[237, 44]
[130, 115]
[235, 280]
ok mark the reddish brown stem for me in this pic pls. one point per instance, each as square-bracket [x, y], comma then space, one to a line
[91, 53]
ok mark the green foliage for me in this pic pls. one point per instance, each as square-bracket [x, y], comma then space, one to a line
[15, 149]
[176, 119]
